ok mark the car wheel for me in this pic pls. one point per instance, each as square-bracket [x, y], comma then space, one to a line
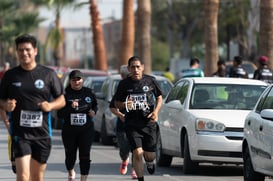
[189, 166]
[162, 159]
[249, 173]
[105, 139]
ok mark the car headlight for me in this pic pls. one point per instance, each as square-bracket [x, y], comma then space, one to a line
[209, 125]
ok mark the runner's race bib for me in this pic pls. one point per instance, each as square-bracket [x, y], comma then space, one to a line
[31, 119]
[78, 119]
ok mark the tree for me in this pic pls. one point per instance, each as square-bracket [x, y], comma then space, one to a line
[211, 35]
[266, 30]
[144, 33]
[55, 37]
[16, 17]
[98, 39]
[128, 32]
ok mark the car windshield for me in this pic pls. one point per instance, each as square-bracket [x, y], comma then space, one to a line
[165, 87]
[96, 85]
[93, 83]
[249, 68]
[216, 96]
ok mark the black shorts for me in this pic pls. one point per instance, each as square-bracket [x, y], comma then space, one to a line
[38, 149]
[145, 137]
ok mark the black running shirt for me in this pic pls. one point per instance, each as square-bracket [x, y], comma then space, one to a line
[29, 88]
[143, 93]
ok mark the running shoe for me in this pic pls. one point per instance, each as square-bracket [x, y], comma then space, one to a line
[123, 167]
[150, 167]
[71, 178]
[133, 174]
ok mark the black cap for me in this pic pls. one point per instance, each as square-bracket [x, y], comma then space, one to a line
[75, 74]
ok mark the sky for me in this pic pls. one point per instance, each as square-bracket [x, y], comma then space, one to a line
[80, 17]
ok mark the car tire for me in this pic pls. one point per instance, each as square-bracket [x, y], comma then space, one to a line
[105, 139]
[249, 173]
[162, 160]
[189, 166]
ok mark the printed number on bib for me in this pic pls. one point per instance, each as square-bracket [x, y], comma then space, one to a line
[78, 119]
[31, 118]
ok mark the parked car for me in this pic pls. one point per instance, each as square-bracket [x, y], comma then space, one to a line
[258, 139]
[94, 83]
[86, 73]
[202, 119]
[105, 121]
[97, 74]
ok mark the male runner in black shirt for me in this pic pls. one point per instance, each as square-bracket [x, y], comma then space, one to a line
[141, 96]
[29, 92]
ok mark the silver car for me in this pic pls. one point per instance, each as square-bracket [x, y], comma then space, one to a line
[94, 83]
[258, 139]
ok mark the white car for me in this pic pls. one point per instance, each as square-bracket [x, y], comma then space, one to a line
[105, 120]
[202, 120]
[257, 145]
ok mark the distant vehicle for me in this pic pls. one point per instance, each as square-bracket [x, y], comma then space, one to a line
[94, 83]
[258, 139]
[157, 72]
[247, 65]
[202, 119]
[105, 121]
[86, 73]
[56, 123]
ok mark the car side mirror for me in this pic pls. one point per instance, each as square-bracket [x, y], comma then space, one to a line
[267, 114]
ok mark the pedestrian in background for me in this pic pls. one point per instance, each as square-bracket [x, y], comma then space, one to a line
[123, 144]
[6, 121]
[169, 75]
[29, 92]
[263, 72]
[141, 96]
[221, 69]
[194, 70]
[237, 70]
[6, 67]
[78, 124]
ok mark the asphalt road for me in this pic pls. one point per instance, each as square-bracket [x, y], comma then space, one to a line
[105, 166]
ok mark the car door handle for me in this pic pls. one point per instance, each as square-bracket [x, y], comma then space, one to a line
[261, 128]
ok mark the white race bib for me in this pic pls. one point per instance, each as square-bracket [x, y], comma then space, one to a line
[77, 119]
[31, 118]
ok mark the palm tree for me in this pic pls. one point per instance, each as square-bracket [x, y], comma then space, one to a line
[266, 30]
[98, 39]
[128, 32]
[55, 37]
[211, 36]
[144, 33]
